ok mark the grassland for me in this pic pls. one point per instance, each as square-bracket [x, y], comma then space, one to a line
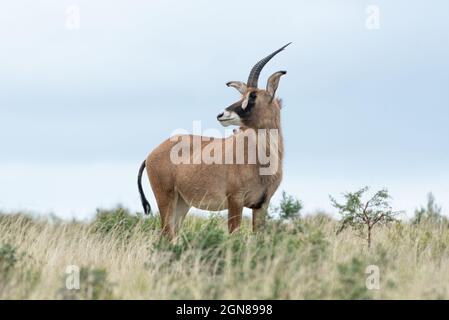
[120, 256]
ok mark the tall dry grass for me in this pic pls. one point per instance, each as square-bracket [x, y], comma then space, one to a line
[121, 257]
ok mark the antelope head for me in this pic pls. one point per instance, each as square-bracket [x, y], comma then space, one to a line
[256, 106]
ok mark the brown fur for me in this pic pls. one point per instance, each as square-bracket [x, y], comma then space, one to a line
[177, 187]
[219, 186]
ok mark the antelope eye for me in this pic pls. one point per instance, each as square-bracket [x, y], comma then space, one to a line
[252, 95]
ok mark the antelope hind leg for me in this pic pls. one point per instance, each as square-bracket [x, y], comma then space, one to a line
[166, 203]
[180, 213]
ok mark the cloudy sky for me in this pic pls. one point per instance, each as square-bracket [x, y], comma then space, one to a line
[83, 101]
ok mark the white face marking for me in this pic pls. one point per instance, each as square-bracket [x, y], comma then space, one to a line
[229, 118]
[245, 103]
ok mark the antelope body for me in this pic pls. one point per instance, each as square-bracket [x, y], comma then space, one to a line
[227, 183]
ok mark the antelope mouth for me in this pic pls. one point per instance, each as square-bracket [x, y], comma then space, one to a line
[227, 122]
[227, 118]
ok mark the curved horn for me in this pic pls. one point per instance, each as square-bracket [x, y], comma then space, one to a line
[255, 71]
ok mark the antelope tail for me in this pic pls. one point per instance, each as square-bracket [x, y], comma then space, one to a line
[145, 203]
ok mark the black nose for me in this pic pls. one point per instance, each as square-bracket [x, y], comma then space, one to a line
[220, 115]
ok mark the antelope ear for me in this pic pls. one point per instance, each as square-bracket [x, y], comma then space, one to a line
[273, 82]
[240, 86]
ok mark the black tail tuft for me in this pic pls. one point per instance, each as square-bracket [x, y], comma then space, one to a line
[145, 203]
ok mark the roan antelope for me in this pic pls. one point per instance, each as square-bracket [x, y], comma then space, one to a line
[227, 183]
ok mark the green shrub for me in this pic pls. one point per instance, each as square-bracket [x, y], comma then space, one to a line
[17, 267]
[289, 207]
[351, 281]
[431, 213]
[317, 245]
[94, 285]
[8, 259]
[363, 216]
[207, 237]
[121, 222]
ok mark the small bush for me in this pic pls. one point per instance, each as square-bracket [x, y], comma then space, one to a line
[431, 213]
[289, 207]
[351, 281]
[16, 267]
[363, 216]
[94, 285]
[121, 222]
[8, 259]
[207, 237]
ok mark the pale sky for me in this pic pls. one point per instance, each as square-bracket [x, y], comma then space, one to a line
[81, 108]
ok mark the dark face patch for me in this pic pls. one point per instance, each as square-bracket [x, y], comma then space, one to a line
[244, 113]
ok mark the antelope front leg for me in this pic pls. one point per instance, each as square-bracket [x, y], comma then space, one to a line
[235, 208]
[259, 217]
